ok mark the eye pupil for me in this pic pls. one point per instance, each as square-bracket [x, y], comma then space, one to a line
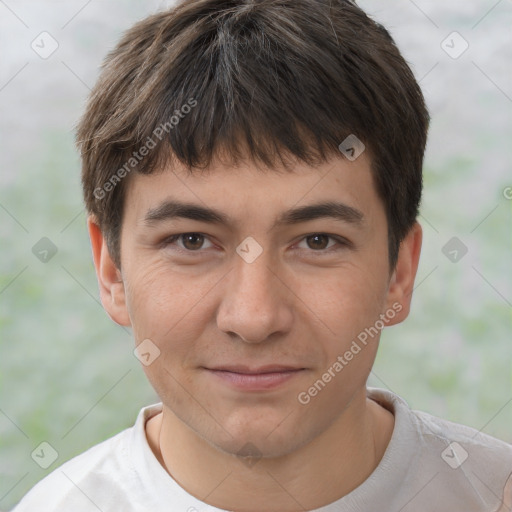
[316, 237]
[196, 236]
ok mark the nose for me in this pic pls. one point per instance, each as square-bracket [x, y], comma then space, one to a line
[256, 303]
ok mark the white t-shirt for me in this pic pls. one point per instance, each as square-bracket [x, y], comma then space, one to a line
[430, 465]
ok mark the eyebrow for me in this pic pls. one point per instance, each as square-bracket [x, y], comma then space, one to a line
[173, 209]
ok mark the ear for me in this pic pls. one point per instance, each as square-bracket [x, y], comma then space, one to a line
[401, 283]
[110, 280]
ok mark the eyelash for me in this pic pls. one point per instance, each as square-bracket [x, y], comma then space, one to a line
[343, 243]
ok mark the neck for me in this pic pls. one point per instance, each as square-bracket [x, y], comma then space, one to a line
[329, 467]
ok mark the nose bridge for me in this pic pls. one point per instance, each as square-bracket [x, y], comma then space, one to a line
[255, 280]
[254, 304]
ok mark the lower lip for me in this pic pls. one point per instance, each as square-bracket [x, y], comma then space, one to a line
[256, 382]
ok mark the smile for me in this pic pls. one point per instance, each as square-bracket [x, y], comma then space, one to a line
[258, 379]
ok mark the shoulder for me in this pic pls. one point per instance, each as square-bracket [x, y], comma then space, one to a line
[462, 445]
[458, 464]
[67, 487]
[475, 462]
[101, 477]
[430, 431]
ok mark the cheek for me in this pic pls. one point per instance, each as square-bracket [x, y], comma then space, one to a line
[158, 300]
[349, 306]
[172, 309]
[345, 300]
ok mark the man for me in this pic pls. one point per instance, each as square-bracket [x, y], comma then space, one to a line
[222, 143]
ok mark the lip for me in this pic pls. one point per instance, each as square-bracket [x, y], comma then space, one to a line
[246, 370]
[255, 379]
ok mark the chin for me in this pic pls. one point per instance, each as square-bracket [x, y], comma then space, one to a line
[251, 448]
[264, 437]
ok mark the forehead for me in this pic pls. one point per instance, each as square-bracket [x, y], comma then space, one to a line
[246, 192]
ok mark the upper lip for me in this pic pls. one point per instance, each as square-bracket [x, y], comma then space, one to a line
[255, 371]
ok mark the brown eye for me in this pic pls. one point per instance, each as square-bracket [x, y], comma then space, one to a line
[192, 241]
[186, 242]
[318, 242]
[323, 244]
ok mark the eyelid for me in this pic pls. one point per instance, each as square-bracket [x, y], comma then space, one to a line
[170, 240]
[342, 242]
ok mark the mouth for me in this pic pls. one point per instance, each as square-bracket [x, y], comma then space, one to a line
[255, 379]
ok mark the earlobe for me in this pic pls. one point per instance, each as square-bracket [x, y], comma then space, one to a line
[401, 284]
[110, 280]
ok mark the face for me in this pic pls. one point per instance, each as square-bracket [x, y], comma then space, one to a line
[252, 304]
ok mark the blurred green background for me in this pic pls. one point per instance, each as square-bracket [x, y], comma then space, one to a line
[67, 372]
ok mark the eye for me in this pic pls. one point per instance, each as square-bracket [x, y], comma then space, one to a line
[315, 242]
[319, 242]
[192, 242]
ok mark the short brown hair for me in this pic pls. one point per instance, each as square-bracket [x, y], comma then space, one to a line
[256, 79]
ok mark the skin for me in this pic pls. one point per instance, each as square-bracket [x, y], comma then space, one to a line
[506, 505]
[300, 303]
